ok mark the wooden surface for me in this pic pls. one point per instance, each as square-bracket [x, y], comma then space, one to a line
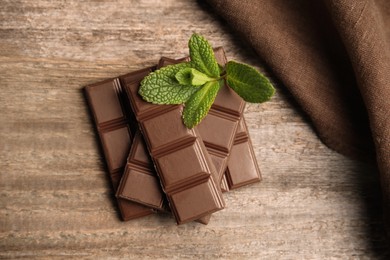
[55, 198]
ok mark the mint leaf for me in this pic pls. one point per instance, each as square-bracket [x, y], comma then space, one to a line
[202, 56]
[190, 76]
[198, 105]
[248, 83]
[161, 86]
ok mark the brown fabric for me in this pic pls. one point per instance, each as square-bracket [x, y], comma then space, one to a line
[334, 57]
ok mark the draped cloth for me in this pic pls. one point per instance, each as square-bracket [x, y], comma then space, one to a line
[334, 58]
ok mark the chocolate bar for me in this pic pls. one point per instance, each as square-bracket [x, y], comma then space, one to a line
[242, 165]
[219, 127]
[183, 165]
[140, 182]
[109, 108]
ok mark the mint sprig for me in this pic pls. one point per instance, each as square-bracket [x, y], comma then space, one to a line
[196, 83]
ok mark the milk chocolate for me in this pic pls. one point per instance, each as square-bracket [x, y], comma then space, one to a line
[140, 182]
[242, 165]
[109, 109]
[219, 127]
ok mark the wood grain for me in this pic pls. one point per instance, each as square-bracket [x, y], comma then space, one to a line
[55, 198]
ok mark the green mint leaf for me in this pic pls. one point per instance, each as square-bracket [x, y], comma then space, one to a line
[198, 105]
[248, 83]
[161, 86]
[202, 56]
[191, 76]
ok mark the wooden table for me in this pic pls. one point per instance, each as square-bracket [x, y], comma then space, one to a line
[55, 197]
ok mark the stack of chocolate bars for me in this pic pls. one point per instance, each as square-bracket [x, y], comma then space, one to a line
[156, 164]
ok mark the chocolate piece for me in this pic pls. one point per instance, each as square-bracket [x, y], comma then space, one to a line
[107, 103]
[219, 127]
[242, 166]
[186, 172]
[140, 182]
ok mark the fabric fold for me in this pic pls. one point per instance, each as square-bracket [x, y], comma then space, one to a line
[361, 27]
[334, 57]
